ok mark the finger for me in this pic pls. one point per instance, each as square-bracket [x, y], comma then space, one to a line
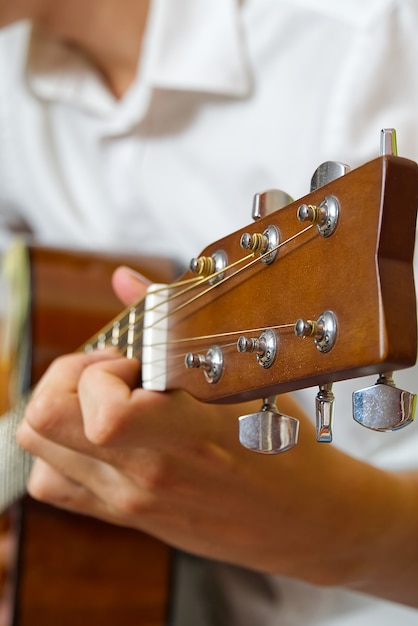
[113, 410]
[92, 488]
[72, 463]
[50, 486]
[65, 371]
[128, 285]
[94, 473]
[54, 409]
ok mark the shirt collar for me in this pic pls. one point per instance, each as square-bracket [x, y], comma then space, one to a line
[190, 45]
[198, 45]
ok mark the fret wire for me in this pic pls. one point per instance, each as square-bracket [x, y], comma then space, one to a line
[115, 333]
[108, 329]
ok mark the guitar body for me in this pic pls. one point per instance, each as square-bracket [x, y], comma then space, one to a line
[77, 570]
[73, 569]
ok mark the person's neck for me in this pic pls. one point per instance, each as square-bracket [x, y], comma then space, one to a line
[109, 32]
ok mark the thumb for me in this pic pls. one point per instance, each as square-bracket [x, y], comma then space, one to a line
[129, 285]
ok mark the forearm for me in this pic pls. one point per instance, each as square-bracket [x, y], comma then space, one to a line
[388, 558]
[358, 526]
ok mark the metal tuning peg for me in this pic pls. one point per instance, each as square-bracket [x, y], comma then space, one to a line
[325, 216]
[264, 346]
[265, 243]
[384, 407]
[211, 363]
[269, 201]
[324, 404]
[323, 331]
[205, 266]
[327, 172]
[388, 142]
[268, 431]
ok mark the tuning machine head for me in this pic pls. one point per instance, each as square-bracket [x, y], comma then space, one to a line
[384, 407]
[210, 266]
[323, 331]
[327, 172]
[268, 431]
[266, 202]
[211, 363]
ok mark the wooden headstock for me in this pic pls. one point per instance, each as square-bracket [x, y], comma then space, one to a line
[361, 273]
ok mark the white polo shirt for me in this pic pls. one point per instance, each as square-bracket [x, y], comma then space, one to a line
[231, 98]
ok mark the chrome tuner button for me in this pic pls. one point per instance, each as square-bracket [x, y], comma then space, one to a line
[388, 143]
[267, 202]
[211, 363]
[327, 172]
[384, 407]
[268, 431]
[265, 347]
[324, 404]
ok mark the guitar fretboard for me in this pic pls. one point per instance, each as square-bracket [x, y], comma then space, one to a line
[123, 332]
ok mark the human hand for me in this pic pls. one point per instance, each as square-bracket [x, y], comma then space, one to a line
[169, 465]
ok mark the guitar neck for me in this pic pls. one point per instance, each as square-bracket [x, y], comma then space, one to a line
[123, 332]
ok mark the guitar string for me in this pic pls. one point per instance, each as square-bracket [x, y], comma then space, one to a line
[181, 355]
[193, 282]
[218, 336]
[108, 328]
[254, 261]
[199, 281]
[216, 285]
[137, 352]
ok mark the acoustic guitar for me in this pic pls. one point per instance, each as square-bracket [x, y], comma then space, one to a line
[72, 569]
[318, 291]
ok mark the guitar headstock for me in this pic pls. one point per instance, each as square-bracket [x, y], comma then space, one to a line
[345, 284]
